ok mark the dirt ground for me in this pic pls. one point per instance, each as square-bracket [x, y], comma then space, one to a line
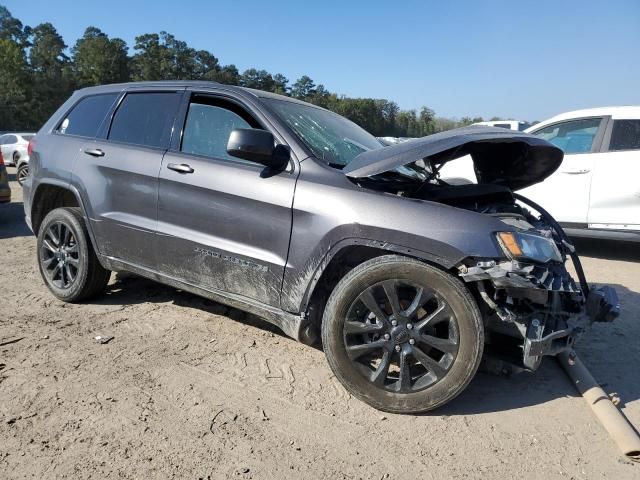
[190, 389]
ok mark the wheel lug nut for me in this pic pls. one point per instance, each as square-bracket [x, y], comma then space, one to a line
[409, 326]
[398, 348]
[412, 341]
[394, 322]
[387, 336]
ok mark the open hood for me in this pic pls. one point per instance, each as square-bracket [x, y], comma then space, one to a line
[500, 157]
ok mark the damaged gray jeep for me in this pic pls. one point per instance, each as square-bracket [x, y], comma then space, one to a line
[296, 214]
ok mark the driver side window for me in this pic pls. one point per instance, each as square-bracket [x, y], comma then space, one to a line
[573, 136]
[208, 126]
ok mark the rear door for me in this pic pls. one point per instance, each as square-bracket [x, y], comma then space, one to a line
[223, 223]
[565, 194]
[615, 187]
[120, 169]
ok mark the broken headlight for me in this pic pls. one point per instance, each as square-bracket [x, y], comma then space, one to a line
[525, 246]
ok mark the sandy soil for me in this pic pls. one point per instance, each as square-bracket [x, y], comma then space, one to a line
[190, 389]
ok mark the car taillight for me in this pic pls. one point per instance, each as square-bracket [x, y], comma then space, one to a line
[32, 143]
[1, 159]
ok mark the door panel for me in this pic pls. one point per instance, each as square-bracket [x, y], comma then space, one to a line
[615, 191]
[565, 194]
[224, 226]
[122, 189]
[120, 174]
[223, 223]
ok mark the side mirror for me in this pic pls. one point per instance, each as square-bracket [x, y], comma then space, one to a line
[257, 146]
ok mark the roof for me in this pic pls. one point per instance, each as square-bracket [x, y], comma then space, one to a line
[116, 87]
[629, 112]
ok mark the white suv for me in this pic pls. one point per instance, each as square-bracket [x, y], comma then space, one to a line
[596, 190]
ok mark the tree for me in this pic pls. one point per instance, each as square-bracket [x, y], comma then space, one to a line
[259, 79]
[206, 65]
[303, 88]
[11, 28]
[280, 84]
[14, 86]
[98, 60]
[228, 74]
[152, 60]
[50, 72]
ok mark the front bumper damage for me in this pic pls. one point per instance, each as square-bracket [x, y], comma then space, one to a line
[534, 310]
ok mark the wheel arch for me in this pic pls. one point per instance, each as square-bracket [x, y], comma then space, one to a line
[344, 257]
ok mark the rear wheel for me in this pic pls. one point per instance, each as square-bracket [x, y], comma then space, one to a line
[22, 173]
[67, 262]
[15, 157]
[401, 335]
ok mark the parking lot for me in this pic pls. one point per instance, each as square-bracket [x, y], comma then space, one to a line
[190, 389]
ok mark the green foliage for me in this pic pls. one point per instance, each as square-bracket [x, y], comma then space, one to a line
[37, 76]
[14, 86]
[98, 60]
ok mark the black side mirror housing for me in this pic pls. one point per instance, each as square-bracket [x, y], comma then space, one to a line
[257, 146]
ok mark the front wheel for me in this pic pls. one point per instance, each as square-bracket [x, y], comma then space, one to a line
[67, 262]
[401, 335]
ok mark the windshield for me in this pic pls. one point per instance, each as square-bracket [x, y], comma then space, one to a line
[330, 137]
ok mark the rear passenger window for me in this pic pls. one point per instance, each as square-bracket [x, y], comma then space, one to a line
[625, 135]
[85, 118]
[208, 126]
[145, 119]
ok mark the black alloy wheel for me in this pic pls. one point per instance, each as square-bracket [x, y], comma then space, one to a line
[402, 336]
[59, 255]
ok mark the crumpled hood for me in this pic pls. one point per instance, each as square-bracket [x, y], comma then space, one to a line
[501, 157]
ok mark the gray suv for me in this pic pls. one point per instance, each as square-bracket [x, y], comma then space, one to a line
[296, 214]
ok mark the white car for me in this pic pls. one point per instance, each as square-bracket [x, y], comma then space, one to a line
[14, 146]
[596, 190]
[516, 125]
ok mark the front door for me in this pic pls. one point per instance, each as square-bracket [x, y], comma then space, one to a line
[565, 194]
[223, 224]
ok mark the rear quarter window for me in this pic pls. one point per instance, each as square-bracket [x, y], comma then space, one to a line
[85, 118]
[625, 135]
[145, 119]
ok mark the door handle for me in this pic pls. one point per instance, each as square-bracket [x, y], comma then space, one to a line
[94, 152]
[180, 167]
[577, 172]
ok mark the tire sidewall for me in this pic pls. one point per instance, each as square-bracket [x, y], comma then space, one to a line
[470, 330]
[71, 221]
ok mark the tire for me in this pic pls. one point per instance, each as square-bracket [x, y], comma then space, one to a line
[63, 240]
[22, 173]
[15, 158]
[434, 316]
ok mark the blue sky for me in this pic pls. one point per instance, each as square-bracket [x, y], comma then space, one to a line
[526, 60]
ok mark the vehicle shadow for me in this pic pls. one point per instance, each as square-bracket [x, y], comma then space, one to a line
[607, 249]
[608, 350]
[128, 289]
[12, 222]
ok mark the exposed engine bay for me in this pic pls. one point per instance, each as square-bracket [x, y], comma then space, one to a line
[531, 304]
